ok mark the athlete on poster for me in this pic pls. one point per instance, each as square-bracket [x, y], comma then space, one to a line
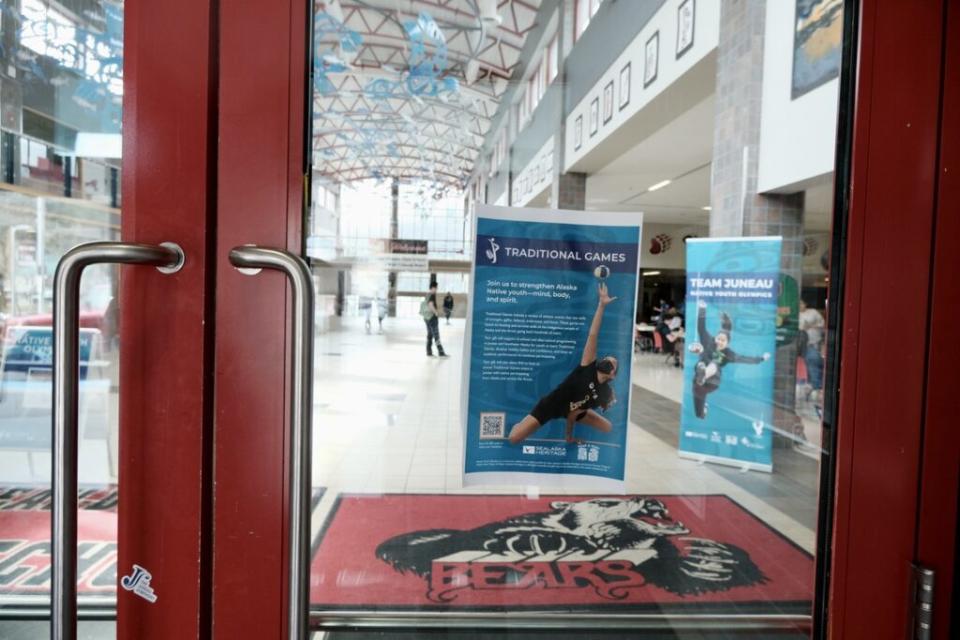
[731, 312]
[550, 323]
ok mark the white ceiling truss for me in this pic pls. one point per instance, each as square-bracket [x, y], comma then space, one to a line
[408, 88]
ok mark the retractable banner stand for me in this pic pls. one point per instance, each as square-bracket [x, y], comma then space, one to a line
[549, 345]
[731, 332]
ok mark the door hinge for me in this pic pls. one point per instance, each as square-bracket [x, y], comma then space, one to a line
[923, 580]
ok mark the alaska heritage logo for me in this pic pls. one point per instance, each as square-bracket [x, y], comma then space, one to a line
[611, 545]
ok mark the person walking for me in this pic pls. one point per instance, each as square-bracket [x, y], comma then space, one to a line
[382, 309]
[431, 317]
[811, 322]
[448, 306]
[366, 306]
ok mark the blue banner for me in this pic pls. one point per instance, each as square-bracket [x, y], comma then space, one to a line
[731, 318]
[26, 384]
[545, 394]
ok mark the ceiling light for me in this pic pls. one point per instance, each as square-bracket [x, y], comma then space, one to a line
[707, 208]
[651, 273]
[488, 11]
[659, 185]
[472, 71]
[336, 12]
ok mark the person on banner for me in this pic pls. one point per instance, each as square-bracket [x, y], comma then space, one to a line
[715, 353]
[431, 317]
[448, 306]
[586, 387]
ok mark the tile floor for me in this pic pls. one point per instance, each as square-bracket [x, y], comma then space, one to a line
[387, 421]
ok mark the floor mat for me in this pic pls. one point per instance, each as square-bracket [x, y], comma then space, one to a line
[632, 554]
[25, 541]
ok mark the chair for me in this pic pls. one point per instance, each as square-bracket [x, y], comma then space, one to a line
[657, 342]
[673, 350]
[802, 370]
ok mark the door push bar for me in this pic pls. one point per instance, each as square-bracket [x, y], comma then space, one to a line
[167, 258]
[250, 259]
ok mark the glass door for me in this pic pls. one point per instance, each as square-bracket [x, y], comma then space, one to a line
[416, 145]
[103, 138]
[715, 121]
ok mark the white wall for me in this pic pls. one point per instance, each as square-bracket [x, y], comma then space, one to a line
[535, 178]
[797, 137]
[662, 245]
[669, 68]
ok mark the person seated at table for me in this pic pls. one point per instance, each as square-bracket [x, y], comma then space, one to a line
[670, 328]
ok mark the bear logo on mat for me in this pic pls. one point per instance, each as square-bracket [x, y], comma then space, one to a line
[612, 545]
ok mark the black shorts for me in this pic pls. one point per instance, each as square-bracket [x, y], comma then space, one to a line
[548, 408]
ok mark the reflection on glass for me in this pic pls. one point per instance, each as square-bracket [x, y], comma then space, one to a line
[422, 113]
[61, 86]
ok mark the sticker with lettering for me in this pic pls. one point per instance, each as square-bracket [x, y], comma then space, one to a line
[139, 583]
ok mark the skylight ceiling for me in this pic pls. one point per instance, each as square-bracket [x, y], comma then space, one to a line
[408, 88]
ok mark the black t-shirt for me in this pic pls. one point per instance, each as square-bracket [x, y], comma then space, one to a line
[433, 298]
[579, 391]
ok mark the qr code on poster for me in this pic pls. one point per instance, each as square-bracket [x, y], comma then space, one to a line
[492, 425]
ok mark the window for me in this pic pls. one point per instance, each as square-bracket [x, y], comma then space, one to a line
[499, 151]
[541, 80]
[502, 145]
[532, 98]
[523, 110]
[553, 60]
[535, 88]
[584, 11]
[50, 33]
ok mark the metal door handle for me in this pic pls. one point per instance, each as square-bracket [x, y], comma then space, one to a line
[168, 258]
[301, 408]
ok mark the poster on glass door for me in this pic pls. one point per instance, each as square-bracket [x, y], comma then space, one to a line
[548, 347]
[731, 331]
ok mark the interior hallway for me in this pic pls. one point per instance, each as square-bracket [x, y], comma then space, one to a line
[387, 421]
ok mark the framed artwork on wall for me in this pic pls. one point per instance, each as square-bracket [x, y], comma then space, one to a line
[578, 133]
[624, 86]
[817, 39]
[594, 116]
[685, 21]
[608, 102]
[651, 57]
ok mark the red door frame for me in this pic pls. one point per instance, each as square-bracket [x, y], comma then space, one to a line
[887, 389]
[259, 199]
[166, 340]
[262, 158]
[940, 474]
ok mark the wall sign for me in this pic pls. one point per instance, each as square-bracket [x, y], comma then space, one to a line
[535, 177]
[651, 59]
[550, 320]
[731, 328]
[685, 23]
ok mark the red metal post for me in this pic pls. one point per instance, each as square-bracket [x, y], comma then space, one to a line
[888, 271]
[261, 156]
[940, 475]
[165, 339]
